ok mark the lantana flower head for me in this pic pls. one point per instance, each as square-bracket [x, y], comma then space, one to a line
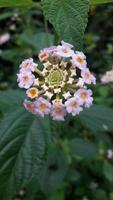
[59, 86]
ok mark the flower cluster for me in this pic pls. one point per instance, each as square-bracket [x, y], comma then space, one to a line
[107, 77]
[59, 85]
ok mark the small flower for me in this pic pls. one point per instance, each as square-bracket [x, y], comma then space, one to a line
[79, 60]
[45, 88]
[64, 50]
[47, 65]
[66, 44]
[48, 94]
[73, 72]
[44, 71]
[66, 95]
[58, 111]
[58, 90]
[107, 77]
[109, 154]
[73, 106]
[42, 106]
[25, 79]
[43, 56]
[36, 82]
[88, 77]
[32, 92]
[28, 64]
[4, 38]
[70, 81]
[64, 64]
[84, 97]
[29, 105]
[80, 82]
[50, 50]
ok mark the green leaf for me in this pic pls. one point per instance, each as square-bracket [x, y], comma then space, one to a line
[10, 55]
[10, 99]
[83, 149]
[73, 176]
[10, 3]
[108, 171]
[97, 118]
[98, 194]
[100, 1]
[69, 19]
[58, 195]
[23, 142]
[37, 41]
[6, 15]
[53, 170]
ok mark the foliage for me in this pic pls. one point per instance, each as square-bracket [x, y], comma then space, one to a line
[69, 19]
[39, 158]
[101, 1]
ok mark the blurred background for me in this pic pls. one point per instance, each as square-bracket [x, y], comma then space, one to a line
[23, 33]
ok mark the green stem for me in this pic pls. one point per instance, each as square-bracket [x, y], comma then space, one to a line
[46, 29]
[46, 25]
[56, 128]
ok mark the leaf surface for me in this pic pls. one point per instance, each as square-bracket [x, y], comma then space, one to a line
[69, 19]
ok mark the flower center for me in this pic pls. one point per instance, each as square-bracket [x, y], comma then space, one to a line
[26, 65]
[55, 78]
[74, 104]
[30, 107]
[65, 50]
[83, 95]
[88, 75]
[59, 111]
[43, 107]
[80, 60]
[25, 78]
[33, 92]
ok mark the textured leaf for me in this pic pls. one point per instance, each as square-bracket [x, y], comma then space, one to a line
[53, 170]
[23, 142]
[11, 3]
[97, 118]
[10, 99]
[37, 41]
[69, 18]
[83, 149]
[100, 1]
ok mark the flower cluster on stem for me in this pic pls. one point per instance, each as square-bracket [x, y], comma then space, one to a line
[59, 86]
